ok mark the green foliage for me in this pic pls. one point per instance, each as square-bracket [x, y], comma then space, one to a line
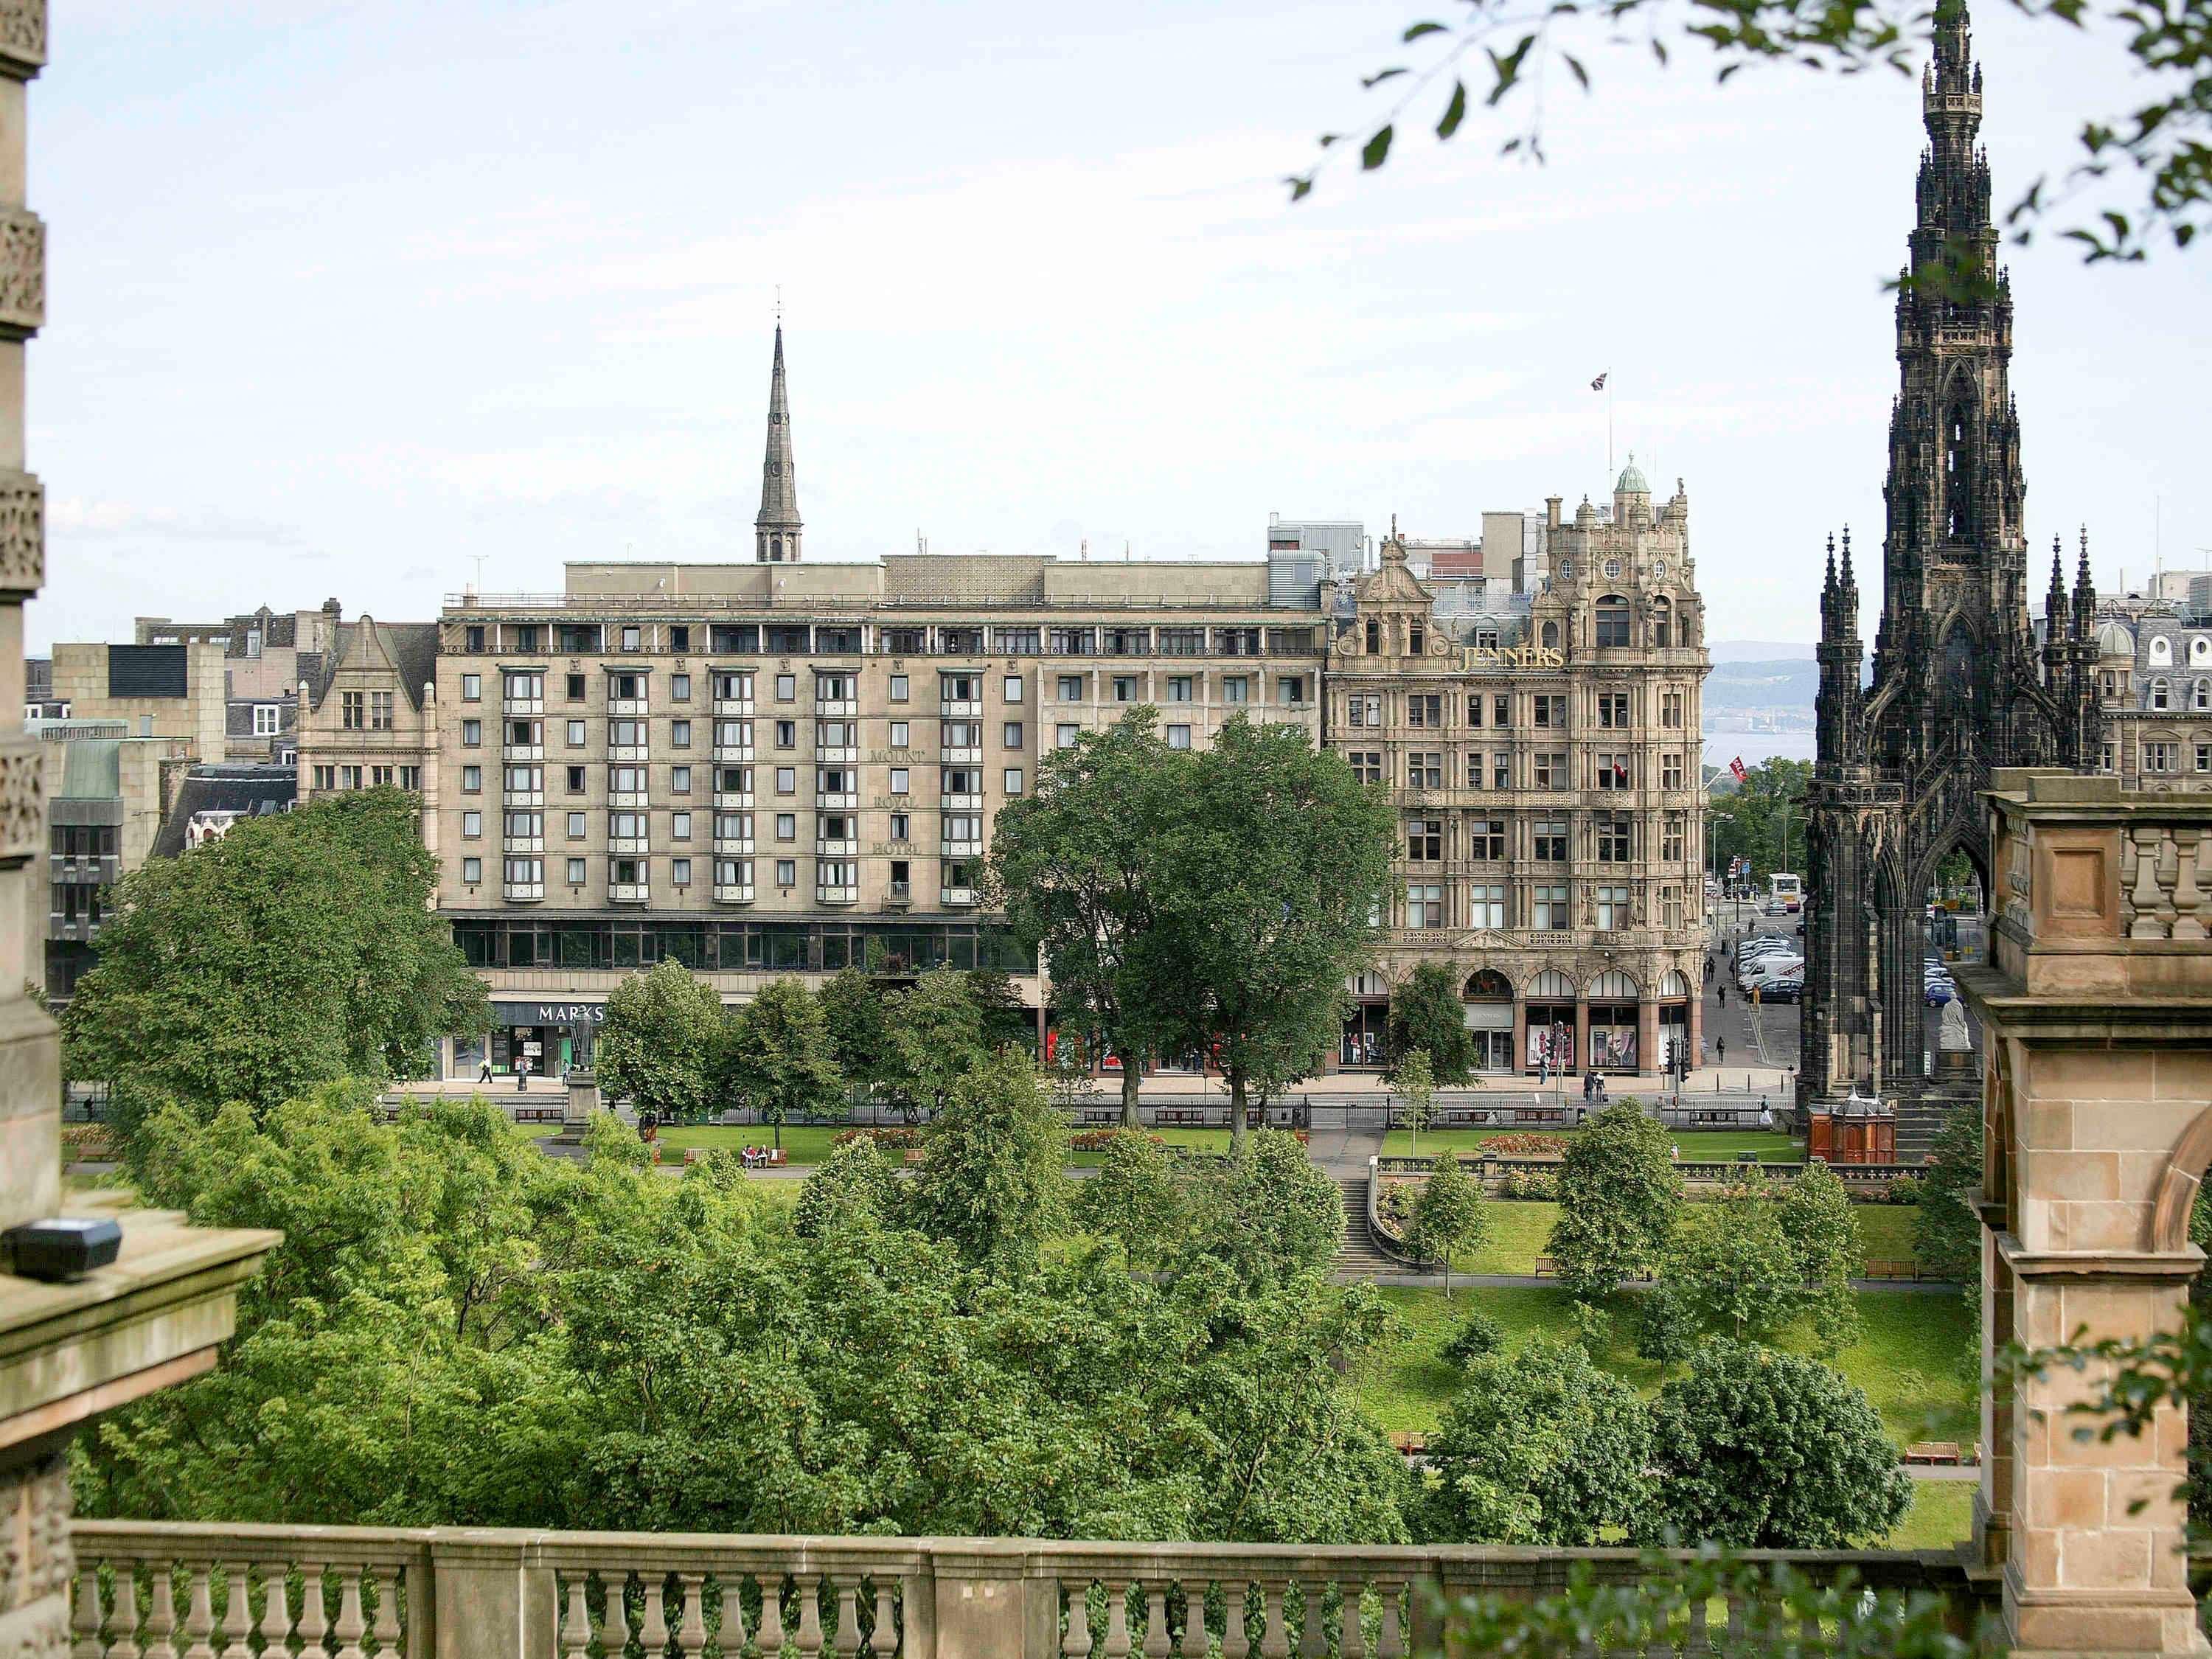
[1477, 1337]
[1270, 1215]
[860, 1025]
[1450, 1218]
[2163, 140]
[1269, 869]
[1417, 1091]
[1619, 1192]
[855, 1185]
[1540, 1447]
[1729, 1268]
[1763, 818]
[657, 1044]
[1823, 1230]
[776, 1053]
[1427, 1015]
[296, 949]
[1760, 1449]
[1667, 1331]
[936, 1038]
[993, 1184]
[1136, 1197]
[1946, 1228]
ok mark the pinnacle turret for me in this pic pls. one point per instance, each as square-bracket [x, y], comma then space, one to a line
[776, 531]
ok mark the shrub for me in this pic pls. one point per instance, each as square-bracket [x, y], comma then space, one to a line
[1525, 1144]
[1902, 1189]
[1477, 1337]
[888, 1140]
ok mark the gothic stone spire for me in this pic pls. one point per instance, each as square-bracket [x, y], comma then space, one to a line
[776, 530]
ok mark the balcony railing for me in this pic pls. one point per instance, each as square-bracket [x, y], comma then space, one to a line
[899, 894]
[836, 895]
[155, 1588]
[739, 892]
[627, 892]
[521, 892]
[956, 898]
[961, 708]
[831, 707]
[632, 707]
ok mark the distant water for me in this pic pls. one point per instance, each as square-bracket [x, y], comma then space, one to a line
[1721, 747]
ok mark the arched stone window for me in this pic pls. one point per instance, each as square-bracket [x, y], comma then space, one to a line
[1612, 620]
[1957, 475]
[2200, 649]
[1486, 985]
[1550, 636]
[2158, 694]
[1553, 986]
[1662, 622]
[1675, 984]
[1614, 986]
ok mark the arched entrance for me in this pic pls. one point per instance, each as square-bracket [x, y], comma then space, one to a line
[1677, 1032]
[1366, 1044]
[1487, 999]
[1550, 1024]
[1615, 1031]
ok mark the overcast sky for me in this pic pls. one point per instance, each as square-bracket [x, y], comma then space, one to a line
[345, 297]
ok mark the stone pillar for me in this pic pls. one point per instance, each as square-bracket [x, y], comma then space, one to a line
[2097, 1015]
[1649, 1055]
[1582, 1059]
[1519, 1035]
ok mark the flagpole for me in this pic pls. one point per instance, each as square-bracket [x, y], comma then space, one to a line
[1610, 475]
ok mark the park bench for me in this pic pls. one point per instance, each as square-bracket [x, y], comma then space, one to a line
[1892, 1267]
[913, 1155]
[1934, 1453]
[1463, 1117]
[1546, 1267]
[1101, 1117]
[1408, 1442]
[1188, 1117]
[537, 1114]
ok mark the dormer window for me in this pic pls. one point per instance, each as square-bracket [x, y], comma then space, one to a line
[1418, 640]
[1374, 637]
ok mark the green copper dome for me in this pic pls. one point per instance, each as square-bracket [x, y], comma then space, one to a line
[1631, 481]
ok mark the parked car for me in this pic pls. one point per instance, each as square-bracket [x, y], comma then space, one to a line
[1939, 992]
[1761, 978]
[1788, 989]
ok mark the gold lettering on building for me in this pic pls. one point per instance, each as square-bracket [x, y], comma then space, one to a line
[1511, 656]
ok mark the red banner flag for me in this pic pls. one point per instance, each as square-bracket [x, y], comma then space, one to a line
[1736, 767]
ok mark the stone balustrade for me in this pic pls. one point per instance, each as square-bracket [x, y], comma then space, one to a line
[158, 1590]
[2166, 889]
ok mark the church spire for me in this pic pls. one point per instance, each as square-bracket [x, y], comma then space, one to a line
[776, 530]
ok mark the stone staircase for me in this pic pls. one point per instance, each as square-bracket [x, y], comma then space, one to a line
[1358, 1256]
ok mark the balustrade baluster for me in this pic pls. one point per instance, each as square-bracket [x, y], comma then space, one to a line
[691, 1634]
[652, 1629]
[1353, 1644]
[1390, 1639]
[810, 1617]
[386, 1634]
[1156, 1620]
[276, 1615]
[199, 1612]
[2190, 898]
[1275, 1640]
[314, 1613]
[237, 1614]
[614, 1635]
[2147, 899]
[576, 1622]
[1313, 1626]
[730, 1635]
[768, 1635]
[350, 1625]
[1076, 1643]
[849, 1617]
[883, 1639]
[1235, 1641]
[162, 1614]
[1116, 1645]
[123, 1618]
[85, 1617]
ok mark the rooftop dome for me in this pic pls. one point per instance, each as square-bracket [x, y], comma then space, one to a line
[2114, 641]
[1631, 481]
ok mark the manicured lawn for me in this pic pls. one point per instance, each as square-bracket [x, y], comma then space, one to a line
[1519, 1228]
[1695, 1144]
[1943, 1513]
[1198, 1140]
[802, 1143]
[1909, 1359]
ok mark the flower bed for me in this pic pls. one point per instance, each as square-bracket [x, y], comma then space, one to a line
[889, 1141]
[1097, 1140]
[1525, 1144]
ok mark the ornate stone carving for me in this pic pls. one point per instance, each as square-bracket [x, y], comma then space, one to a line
[22, 535]
[23, 273]
[22, 37]
[22, 804]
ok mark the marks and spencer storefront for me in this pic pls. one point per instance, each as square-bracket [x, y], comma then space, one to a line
[553, 1035]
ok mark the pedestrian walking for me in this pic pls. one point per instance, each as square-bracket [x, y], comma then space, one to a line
[522, 1075]
[1722, 992]
[1720, 1049]
[483, 1072]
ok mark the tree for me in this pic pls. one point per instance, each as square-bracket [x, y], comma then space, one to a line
[854, 1186]
[775, 1052]
[1450, 1217]
[1619, 1195]
[1729, 1269]
[1074, 868]
[1417, 1088]
[1946, 1228]
[936, 1038]
[1540, 1447]
[1760, 1449]
[860, 1025]
[1275, 864]
[1822, 1227]
[656, 1047]
[1763, 818]
[1134, 1197]
[297, 949]
[993, 1182]
[1427, 1015]
[1477, 1337]
[2162, 142]
[1270, 1215]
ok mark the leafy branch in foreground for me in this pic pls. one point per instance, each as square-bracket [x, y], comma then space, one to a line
[1503, 48]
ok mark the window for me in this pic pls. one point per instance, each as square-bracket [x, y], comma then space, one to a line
[471, 688]
[576, 877]
[1291, 690]
[1550, 636]
[961, 779]
[576, 738]
[1486, 906]
[1616, 837]
[1424, 905]
[1178, 685]
[381, 776]
[899, 731]
[899, 780]
[787, 734]
[1474, 708]
[1425, 769]
[632, 638]
[2200, 696]
[1010, 735]
[1013, 687]
[733, 780]
[1670, 710]
[326, 777]
[786, 826]
[1366, 765]
[898, 688]
[1614, 768]
[787, 687]
[1670, 771]
[1671, 897]
[471, 779]
[1547, 771]
[679, 872]
[472, 637]
[380, 711]
[1486, 838]
[679, 734]
[1501, 769]
[1013, 783]
[680, 641]
[1674, 838]
[410, 777]
[575, 779]
[1613, 620]
[2105, 758]
[1612, 909]
[1501, 710]
[1125, 688]
[1071, 688]
[1069, 642]
[575, 826]
[2158, 694]
[679, 826]
[1178, 736]
[1425, 840]
[960, 734]
[353, 710]
[1365, 710]
[471, 734]
[471, 825]
[1613, 708]
[350, 777]
[787, 872]
[1549, 711]
[1016, 642]
[524, 826]
[1424, 710]
[787, 781]
[1374, 637]
[679, 780]
[1237, 687]
[902, 826]
[575, 687]
[1549, 910]
[1063, 737]
[2161, 758]
[626, 734]
[1417, 639]
[2204, 757]
[1549, 840]
[471, 871]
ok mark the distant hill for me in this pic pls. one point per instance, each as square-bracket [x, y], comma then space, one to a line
[1769, 686]
[1759, 651]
